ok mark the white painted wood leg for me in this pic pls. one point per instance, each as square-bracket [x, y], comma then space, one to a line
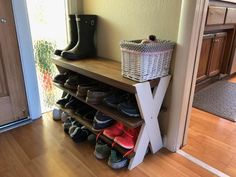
[140, 148]
[149, 105]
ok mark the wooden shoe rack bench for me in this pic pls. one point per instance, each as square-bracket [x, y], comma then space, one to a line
[149, 96]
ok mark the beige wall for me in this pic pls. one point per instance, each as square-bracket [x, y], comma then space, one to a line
[132, 19]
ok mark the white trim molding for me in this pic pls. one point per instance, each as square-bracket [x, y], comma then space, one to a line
[190, 31]
[27, 57]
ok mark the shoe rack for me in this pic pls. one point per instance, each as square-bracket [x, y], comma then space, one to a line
[149, 96]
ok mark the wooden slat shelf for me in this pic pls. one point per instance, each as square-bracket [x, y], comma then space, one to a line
[103, 70]
[89, 126]
[113, 113]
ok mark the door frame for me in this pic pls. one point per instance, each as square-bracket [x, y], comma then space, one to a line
[191, 29]
[27, 57]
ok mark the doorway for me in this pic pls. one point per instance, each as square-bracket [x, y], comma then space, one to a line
[49, 31]
[211, 136]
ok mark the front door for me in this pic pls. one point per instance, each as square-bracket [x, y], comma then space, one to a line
[13, 103]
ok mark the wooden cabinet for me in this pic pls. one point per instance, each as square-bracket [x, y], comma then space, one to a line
[216, 15]
[217, 54]
[231, 16]
[212, 54]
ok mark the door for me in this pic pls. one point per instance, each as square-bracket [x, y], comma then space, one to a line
[217, 54]
[205, 57]
[13, 103]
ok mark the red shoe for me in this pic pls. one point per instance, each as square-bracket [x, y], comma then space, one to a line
[128, 139]
[114, 131]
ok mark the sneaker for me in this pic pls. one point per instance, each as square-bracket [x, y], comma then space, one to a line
[73, 128]
[92, 139]
[115, 99]
[67, 124]
[116, 160]
[128, 139]
[80, 134]
[63, 101]
[101, 121]
[102, 150]
[114, 131]
[129, 107]
[61, 78]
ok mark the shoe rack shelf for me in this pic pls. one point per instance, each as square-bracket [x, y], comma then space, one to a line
[89, 126]
[149, 96]
[115, 114]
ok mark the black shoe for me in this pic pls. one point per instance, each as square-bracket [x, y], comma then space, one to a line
[83, 110]
[73, 81]
[129, 107]
[80, 135]
[73, 35]
[85, 47]
[73, 103]
[61, 78]
[62, 102]
[67, 124]
[115, 99]
[90, 116]
[101, 121]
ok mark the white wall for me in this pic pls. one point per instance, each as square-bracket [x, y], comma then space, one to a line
[132, 19]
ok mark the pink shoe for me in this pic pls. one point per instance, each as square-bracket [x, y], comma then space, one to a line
[116, 130]
[128, 139]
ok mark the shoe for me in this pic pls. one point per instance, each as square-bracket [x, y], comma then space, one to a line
[115, 99]
[67, 124]
[90, 116]
[73, 128]
[82, 89]
[114, 131]
[73, 35]
[63, 101]
[102, 150]
[80, 134]
[96, 96]
[73, 104]
[73, 81]
[128, 139]
[101, 121]
[83, 110]
[61, 78]
[129, 107]
[92, 139]
[85, 47]
[116, 160]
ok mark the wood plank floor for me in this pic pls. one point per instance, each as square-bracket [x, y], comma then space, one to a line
[41, 149]
[213, 140]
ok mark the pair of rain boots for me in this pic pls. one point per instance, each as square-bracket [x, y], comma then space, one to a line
[82, 29]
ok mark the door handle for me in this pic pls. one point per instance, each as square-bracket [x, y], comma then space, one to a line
[3, 20]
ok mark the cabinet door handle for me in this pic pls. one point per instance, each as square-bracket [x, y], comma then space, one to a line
[3, 20]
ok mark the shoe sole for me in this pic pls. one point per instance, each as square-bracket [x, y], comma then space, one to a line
[98, 156]
[118, 165]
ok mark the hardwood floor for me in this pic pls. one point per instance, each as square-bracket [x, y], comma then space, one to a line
[213, 140]
[41, 149]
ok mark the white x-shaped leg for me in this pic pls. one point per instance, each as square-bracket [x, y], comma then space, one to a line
[149, 105]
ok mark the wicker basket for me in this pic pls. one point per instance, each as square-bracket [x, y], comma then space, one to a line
[142, 62]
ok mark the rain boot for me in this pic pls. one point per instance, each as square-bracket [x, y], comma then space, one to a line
[73, 35]
[85, 47]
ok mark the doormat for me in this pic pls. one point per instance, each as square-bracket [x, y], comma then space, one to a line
[218, 99]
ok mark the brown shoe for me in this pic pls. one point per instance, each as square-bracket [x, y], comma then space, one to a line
[82, 89]
[96, 96]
